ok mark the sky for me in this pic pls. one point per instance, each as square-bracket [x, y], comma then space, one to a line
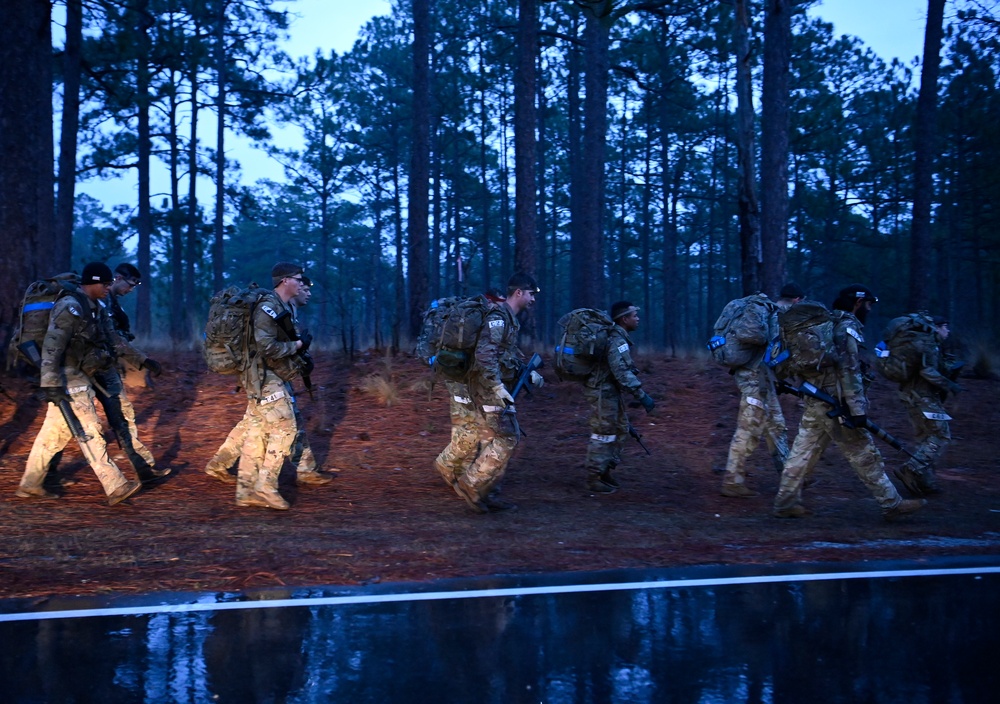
[892, 28]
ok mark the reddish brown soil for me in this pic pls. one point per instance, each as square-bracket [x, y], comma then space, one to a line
[388, 517]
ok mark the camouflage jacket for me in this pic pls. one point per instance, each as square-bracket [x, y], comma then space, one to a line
[933, 370]
[273, 353]
[494, 349]
[848, 377]
[618, 366]
[121, 342]
[119, 318]
[76, 344]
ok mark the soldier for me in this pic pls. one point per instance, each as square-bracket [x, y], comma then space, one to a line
[494, 422]
[110, 390]
[456, 458]
[603, 390]
[75, 347]
[842, 379]
[924, 394]
[270, 416]
[760, 411]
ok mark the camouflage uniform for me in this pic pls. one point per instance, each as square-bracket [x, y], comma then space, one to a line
[759, 415]
[498, 434]
[110, 390]
[465, 422]
[603, 391]
[75, 345]
[922, 396]
[844, 381]
[270, 416]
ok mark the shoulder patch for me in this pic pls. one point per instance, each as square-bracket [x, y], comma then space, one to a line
[623, 348]
[71, 307]
[269, 310]
[855, 334]
[498, 323]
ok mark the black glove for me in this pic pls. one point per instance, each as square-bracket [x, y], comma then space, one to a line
[306, 340]
[647, 402]
[56, 394]
[153, 366]
[857, 422]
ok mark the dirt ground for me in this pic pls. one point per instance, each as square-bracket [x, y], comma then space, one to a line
[388, 517]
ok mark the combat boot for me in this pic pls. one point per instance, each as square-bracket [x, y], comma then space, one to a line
[218, 472]
[496, 504]
[909, 479]
[34, 492]
[251, 500]
[148, 473]
[793, 511]
[470, 497]
[314, 478]
[902, 508]
[608, 479]
[597, 485]
[737, 490]
[273, 499]
[123, 492]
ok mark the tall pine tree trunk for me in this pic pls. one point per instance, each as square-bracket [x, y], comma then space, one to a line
[921, 267]
[26, 198]
[525, 153]
[774, 144]
[144, 220]
[62, 245]
[420, 171]
[218, 239]
[747, 207]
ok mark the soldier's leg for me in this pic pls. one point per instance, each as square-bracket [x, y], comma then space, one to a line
[498, 438]
[251, 456]
[116, 486]
[50, 441]
[301, 453]
[808, 443]
[775, 430]
[279, 425]
[229, 452]
[750, 423]
[603, 447]
[859, 449]
[930, 423]
[454, 459]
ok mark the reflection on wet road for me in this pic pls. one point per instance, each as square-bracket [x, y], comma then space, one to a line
[905, 633]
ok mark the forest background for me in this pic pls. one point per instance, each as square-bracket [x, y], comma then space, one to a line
[672, 152]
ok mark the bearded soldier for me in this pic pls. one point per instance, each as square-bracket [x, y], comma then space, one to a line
[76, 346]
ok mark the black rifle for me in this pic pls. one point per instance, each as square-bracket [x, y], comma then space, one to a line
[30, 351]
[838, 411]
[287, 326]
[638, 438]
[533, 364]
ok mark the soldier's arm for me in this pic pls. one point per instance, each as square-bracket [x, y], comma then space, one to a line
[489, 348]
[620, 365]
[265, 332]
[124, 349]
[848, 338]
[931, 370]
[66, 319]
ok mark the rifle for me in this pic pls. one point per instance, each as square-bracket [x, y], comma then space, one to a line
[287, 326]
[837, 411]
[638, 438]
[533, 364]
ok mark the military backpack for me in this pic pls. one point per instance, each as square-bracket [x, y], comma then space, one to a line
[742, 331]
[583, 343]
[805, 343]
[36, 308]
[450, 331]
[899, 357]
[228, 335]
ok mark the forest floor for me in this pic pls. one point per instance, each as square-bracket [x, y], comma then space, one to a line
[388, 517]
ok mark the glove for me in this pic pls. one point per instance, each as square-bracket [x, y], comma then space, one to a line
[306, 340]
[56, 394]
[501, 392]
[647, 402]
[857, 422]
[536, 380]
[153, 366]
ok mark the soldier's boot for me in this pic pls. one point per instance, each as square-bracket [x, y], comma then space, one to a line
[34, 492]
[272, 499]
[470, 496]
[793, 511]
[736, 490]
[496, 503]
[251, 500]
[608, 479]
[123, 492]
[914, 482]
[147, 472]
[597, 485]
[315, 478]
[215, 470]
[902, 508]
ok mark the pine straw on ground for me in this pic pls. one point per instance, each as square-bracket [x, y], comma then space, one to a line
[388, 517]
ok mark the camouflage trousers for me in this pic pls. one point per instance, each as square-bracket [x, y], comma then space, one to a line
[608, 427]
[496, 437]
[121, 417]
[759, 416]
[815, 431]
[301, 454]
[55, 434]
[455, 459]
[269, 433]
[930, 424]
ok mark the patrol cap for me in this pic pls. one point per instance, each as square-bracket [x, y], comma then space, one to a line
[621, 309]
[284, 270]
[96, 273]
[855, 291]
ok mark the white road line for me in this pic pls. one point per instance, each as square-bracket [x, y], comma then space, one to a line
[491, 593]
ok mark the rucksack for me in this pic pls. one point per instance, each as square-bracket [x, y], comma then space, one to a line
[449, 333]
[36, 308]
[227, 330]
[742, 331]
[806, 339]
[899, 357]
[583, 343]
